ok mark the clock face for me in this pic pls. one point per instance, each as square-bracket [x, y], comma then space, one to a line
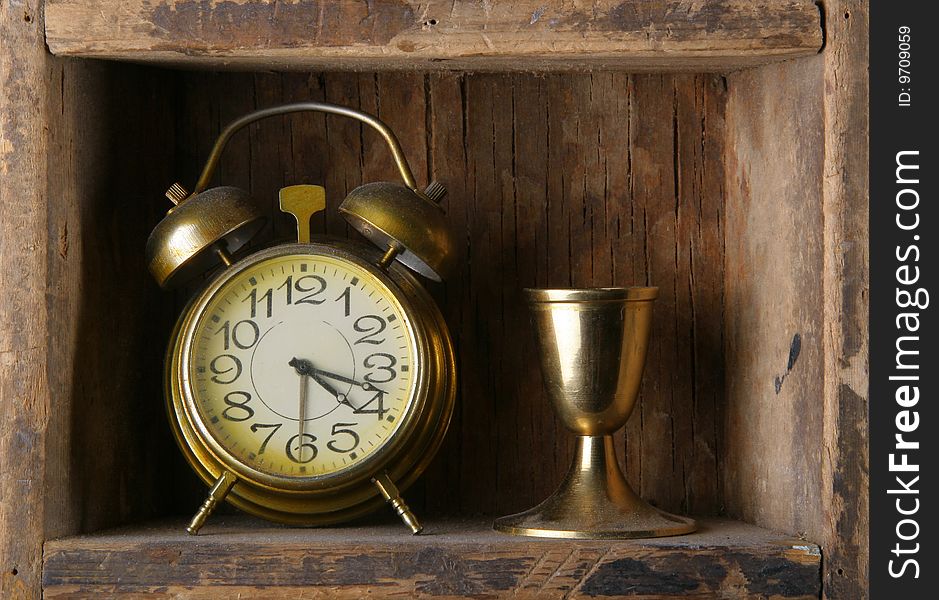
[302, 365]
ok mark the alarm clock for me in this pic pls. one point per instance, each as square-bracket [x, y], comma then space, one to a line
[308, 382]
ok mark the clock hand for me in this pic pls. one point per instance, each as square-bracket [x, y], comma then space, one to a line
[305, 367]
[302, 424]
[367, 386]
[328, 387]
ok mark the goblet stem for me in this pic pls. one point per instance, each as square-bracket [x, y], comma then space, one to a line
[595, 467]
[594, 501]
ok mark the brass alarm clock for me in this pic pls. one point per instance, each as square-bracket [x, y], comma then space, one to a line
[308, 381]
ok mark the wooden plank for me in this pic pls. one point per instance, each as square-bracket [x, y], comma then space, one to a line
[489, 159]
[446, 140]
[845, 483]
[98, 289]
[711, 35]
[814, 254]
[25, 398]
[622, 264]
[774, 290]
[654, 171]
[673, 182]
[71, 334]
[699, 111]
[453, 559]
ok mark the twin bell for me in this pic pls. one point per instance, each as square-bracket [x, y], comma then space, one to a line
[207, 226]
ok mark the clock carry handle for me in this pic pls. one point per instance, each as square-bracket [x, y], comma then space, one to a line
[209, 169]
[407, 223]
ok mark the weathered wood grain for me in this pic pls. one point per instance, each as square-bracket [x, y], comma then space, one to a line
[713, 35]
[603, 179]
[774, 294]
[796, 438]
[78, 428]
[25, 401]
[455, 559]
[106, 321]
[845, 481]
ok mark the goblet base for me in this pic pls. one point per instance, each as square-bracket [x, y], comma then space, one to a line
[595, 502]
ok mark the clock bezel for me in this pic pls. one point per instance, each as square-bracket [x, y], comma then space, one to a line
[344, 494]
[194, 327]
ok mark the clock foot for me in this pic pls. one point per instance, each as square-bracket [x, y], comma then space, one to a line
[218, 492]
[391, 494]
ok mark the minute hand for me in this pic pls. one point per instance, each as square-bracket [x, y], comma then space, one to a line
[365, 386]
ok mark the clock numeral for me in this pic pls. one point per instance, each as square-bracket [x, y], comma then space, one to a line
[317, 287]
[253, 297]
[299, 443]
[379, 411]
[240, 407]
[346, 297]
[288, 285]
[311, 285]
[371, 326]
[231, 334]
[374, 361]
[272, 426]
[341, 429]
[219, 370]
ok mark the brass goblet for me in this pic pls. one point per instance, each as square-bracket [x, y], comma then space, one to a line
[593, 348]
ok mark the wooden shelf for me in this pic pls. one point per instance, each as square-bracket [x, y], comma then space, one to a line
[668, 35]
[454, 558]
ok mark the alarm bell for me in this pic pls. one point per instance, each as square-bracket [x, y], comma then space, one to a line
[411, 223]
[199, 231]
[207, 226]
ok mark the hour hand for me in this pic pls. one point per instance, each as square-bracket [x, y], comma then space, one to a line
[327, 386]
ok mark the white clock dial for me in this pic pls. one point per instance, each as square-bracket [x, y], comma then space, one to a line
[302, 365]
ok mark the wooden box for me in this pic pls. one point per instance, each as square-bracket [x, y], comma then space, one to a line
[715, 149]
